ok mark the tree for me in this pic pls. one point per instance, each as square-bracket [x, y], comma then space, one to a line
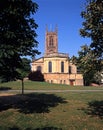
[17, 35]
[74, 59]
[98, 77]
[87, 63]
[23, 71]
[93, 26]
[8, 67]
[36, 76]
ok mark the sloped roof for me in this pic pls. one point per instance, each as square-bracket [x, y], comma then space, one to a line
[41, 59]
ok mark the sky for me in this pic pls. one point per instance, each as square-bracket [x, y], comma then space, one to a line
[66, 15]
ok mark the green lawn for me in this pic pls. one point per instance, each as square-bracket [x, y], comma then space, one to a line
[51, 111]
[31, 85]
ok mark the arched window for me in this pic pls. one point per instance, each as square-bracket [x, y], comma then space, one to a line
[39, 68]
[62, 67]
[70, 69]
[50, 41]
[50, 67]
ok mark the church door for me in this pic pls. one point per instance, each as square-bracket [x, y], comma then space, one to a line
[72, 82]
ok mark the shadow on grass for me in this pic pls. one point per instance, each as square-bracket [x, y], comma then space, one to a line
[30, 103]
[44, 128]
[4, 88]
[48, 128]
[95, 108]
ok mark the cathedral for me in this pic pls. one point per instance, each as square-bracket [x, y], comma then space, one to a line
[56, 67]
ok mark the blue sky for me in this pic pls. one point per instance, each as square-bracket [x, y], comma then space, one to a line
[66, 15]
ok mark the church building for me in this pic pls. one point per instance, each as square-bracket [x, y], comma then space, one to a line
[56, 67]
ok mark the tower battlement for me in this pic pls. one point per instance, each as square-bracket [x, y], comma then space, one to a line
[51, 42]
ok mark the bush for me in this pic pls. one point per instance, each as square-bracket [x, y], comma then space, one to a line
[36, 76]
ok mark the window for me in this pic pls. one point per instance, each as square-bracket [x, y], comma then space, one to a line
[48, 81]
[39, 68]
[64, 82]
[50, 67]
[78, 70]
[51, 81]
[50, 41]
[60, 81]
[70, 69]
[62, 66]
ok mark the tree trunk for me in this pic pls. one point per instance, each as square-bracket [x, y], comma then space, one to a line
[22, 86]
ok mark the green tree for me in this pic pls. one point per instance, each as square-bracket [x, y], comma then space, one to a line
[17, 35]
[98, 77]
[93, 26]
[36, 76]
[74, 59]
[86, 64]
[23, 71]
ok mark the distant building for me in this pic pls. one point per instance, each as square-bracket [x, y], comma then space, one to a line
[56, 67]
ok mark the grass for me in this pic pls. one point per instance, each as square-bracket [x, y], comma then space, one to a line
[49, 111]
[31, 85]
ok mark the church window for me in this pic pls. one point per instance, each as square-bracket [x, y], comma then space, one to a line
[39, 68]
[50, 66]
[60, 81]
[51, 81]
[70, 69]
[78, 70]
[64, 82]
[62, 67]
[51, 41]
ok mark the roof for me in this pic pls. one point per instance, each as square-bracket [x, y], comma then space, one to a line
[38, 60]
[56, 55]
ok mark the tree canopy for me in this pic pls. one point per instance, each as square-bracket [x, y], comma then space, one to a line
[17, 34]
[86, 64]
[93, 25]
[90, 59]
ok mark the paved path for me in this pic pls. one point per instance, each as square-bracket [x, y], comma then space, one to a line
[49, 91]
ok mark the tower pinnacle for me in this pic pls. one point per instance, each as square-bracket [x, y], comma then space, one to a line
[51, 41]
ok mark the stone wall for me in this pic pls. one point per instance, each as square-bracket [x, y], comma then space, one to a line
[70, 79]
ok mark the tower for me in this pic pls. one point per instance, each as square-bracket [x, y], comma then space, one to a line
[51, 41]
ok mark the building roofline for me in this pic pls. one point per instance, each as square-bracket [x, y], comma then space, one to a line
[56, 55]
[37, 59]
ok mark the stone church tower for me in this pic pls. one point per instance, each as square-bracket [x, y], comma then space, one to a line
[51, 42]
[56, 67]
